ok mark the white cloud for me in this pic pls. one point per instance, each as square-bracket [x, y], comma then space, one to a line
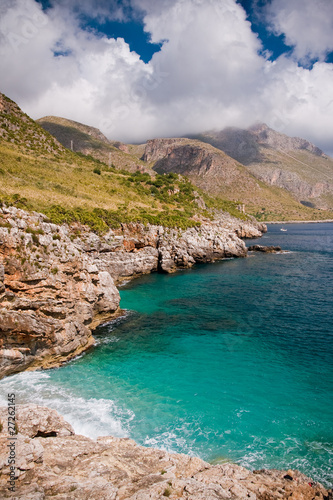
[209, 73]
[306, 24]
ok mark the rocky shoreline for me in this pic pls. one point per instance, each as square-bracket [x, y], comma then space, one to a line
[58, 283]
[52, 462]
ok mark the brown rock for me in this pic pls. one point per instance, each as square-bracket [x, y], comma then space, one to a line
[76, 467]
[55, 291]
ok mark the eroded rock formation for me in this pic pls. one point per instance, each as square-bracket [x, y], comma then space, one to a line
[62, 465]
[58, 283]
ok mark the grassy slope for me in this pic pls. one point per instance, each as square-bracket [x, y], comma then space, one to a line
[36, 172]
[311, 168]
[91, 141]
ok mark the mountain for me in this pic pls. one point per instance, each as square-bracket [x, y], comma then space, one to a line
[91, 142]
[38, 173]
[221, 175]
[267, 174]
[19, 129]
[291, 163]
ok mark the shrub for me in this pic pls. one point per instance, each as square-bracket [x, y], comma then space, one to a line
[97, 171]
[35, 239]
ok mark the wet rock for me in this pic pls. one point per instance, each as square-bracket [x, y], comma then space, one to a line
[264, 249]
[64, 466]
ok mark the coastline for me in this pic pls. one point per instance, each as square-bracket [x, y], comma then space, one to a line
[58, 283]
[54, 462]
[271, 481]
[300, 221]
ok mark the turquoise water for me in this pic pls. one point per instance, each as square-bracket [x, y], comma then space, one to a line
[231, 360]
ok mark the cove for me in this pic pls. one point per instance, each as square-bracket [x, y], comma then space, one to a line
[227, 361]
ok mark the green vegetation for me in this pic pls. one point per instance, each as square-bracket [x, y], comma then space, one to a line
[65, 188]
[37, 173]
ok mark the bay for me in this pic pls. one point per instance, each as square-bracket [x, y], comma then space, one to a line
[226, 361]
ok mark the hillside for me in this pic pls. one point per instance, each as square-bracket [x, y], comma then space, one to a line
[91, 142]
[38, 173]
[291, 163]
[217, 173]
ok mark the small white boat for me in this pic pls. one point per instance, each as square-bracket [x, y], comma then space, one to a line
[282, 229]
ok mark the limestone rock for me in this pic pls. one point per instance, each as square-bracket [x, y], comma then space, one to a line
[37, 421]
[65, 466]
[58, 284]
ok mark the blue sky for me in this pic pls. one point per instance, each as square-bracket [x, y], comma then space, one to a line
[132, 30]
[139, 69]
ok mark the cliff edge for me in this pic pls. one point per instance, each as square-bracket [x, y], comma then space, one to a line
[57, 283]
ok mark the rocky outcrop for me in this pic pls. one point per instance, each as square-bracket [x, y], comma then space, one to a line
[244, 145]
[52, 293]
[52, 462]
[194, 159]
[291, 181]
[139, 249]
[58, 283]
[265, 249]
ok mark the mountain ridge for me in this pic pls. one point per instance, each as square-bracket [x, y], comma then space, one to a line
[90, 141]
[290, 163]
[38, 173]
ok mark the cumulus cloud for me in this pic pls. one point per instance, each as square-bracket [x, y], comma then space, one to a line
[306, 25]
[209, 73]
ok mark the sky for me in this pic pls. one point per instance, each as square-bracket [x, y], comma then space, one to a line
[139, 69]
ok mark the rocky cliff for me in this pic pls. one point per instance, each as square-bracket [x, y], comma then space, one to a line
[211, 169]
[52, 462]
[57, 283]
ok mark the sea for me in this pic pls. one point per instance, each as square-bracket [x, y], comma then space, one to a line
[231, 361]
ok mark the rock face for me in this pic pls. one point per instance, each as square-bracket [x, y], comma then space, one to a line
[51, 292]
[209, 168]
[57, 283]
[52, 462]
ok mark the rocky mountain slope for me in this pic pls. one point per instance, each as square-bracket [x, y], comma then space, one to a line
[90, 141]
[57, 283]
[291, 163]
[54, 462]
[38, 173]
[19, 129]
[217, 173]
[292, 172]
